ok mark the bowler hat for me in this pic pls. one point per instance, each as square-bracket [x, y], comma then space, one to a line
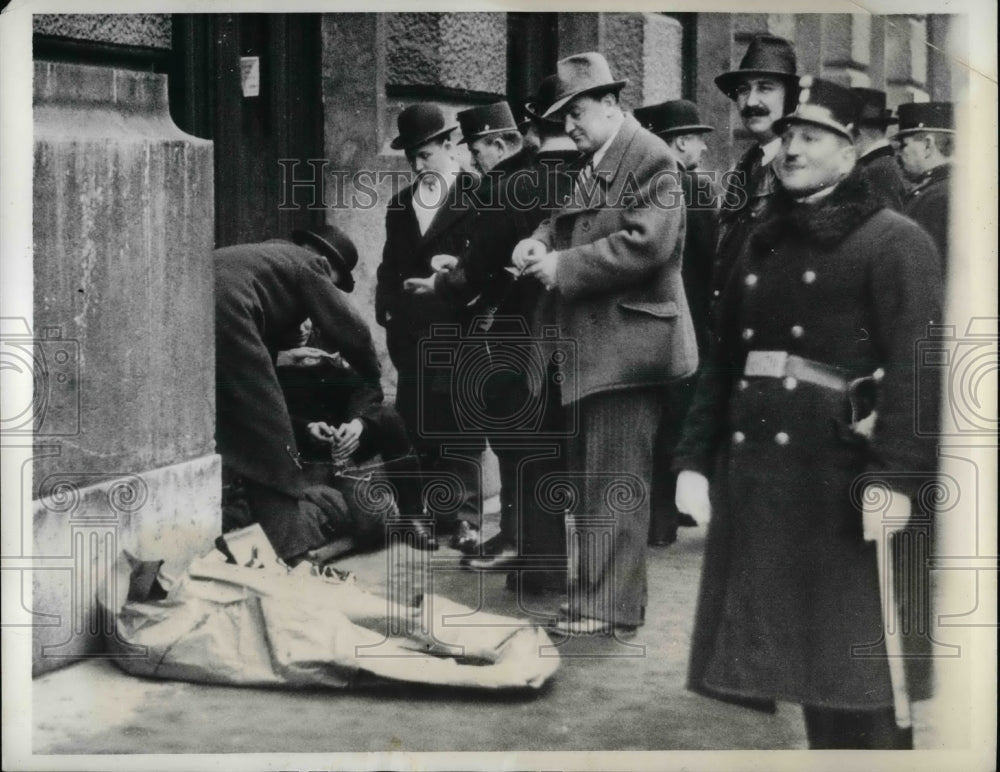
[336, 246]
[581, 74]
[767, 55]
[544, 96]
[668, 119]
[873, 109]
[823, 103]
[924, 116]
[419, 124]
[479, 121]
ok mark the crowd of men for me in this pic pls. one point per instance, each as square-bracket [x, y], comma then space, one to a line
[596, 311]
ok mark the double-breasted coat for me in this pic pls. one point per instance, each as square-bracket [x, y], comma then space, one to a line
[263, 293]
[929, 204]
[408, 318]
[789, 585]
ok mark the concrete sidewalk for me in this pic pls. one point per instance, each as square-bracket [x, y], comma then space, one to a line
[604, 696]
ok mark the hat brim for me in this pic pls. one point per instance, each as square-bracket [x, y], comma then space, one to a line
[535, 115]
[920, 130]
[785, 121]
[401, 143]
[677, 130]
[345, 279]
[473, 137]
[728, 81]
[561, 102]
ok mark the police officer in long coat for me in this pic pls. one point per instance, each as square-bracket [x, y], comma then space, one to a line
[831, 293]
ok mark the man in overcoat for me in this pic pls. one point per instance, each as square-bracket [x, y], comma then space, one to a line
[433, 216]
[876, 154]
[610, 261]
[762, 89]
[831, 292]
[677, 122]
[926, 145]
[263, 293]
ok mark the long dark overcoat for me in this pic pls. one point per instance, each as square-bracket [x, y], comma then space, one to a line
[789, 585]
[929, 204]
[263, 292]
[885, 176]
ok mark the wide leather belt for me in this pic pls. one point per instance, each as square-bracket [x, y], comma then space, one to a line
[781, 364]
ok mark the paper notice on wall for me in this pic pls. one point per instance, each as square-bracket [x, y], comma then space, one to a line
[250, 75]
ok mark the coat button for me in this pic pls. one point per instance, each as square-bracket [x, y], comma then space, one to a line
[742, 384]
[809, 277]
[715, 293]
[750, 279]
[747, 334]
[738, 437]
[790, 383]
[798, 331]
[781, 438]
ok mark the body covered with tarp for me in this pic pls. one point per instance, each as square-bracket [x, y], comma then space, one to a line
[267, 625]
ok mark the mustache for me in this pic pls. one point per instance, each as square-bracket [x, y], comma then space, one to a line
[755, 111]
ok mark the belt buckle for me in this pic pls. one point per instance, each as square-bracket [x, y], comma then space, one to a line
[766, 364]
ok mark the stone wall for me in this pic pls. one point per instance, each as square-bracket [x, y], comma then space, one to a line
[123, 314]
[151, 30]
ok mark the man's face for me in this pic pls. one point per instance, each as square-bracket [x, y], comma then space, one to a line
[690, 149]
[487, 152]
[432, 159]
[589, 122]
[912, 155]
[761, 101]
[812, 158]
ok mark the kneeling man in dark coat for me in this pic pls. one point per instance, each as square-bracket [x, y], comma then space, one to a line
[821, 315]
[263, 293]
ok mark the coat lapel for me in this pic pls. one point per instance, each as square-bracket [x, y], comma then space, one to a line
[605, 173]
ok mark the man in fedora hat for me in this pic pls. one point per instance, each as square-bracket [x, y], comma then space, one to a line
[926, 145]
[433, 216]
[762, 89]
[610, 260]
[678, 123]
[263, 293]
[831, 292]
[875, 153]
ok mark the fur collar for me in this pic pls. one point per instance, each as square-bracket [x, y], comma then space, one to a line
[825, 223]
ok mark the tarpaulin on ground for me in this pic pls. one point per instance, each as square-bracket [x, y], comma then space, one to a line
[265, 625]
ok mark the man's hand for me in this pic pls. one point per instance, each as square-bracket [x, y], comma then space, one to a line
[527, 250]
[321, 432]
[883, 511]
[543, 269]
[443, 263]
[691, 495]
[418, 286]
[305, 356]
[347, 438]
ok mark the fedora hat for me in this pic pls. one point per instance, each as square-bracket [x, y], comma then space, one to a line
[925, 116]
[480, 121]
[873, 109]
[767, 55]
[826, 104]
[581, 74]
[419, 124]
[544, 96]
[336, 246]
[668, 119]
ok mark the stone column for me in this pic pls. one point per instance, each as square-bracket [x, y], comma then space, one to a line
[122, 344]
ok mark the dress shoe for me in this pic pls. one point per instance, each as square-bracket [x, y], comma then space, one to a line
[686, 521]
[662, 540]
[496, 553]
[466, 538]
[589, 626]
